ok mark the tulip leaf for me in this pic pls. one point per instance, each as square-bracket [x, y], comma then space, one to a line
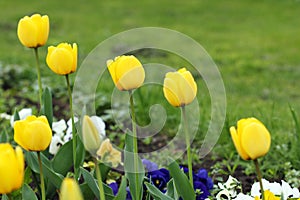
[156, 193]
[171, 192]
[27, 193]
[86, 191]
[122, 190]
[92, 183]
[134, 176]
[47, 107]
[181, 179]
[63, 160]
[80, 152]
[16, 115]
[4, 197]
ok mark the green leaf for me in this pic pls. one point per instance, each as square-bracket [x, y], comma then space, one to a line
[156, 193]
[135, 178]
[181, 179]
[16, 115]
[3, 137]
[171, 190]
[63, 160]
[122, 190]
[4, 197]
[86, 191]
[27, 193]
[92, 183]
[80, 152]
[47, 107]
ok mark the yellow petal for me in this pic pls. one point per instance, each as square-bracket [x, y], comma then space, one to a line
[237, 143]
[60, 61]
[70, 190]
[170, 90]
[256, 140]
[27, 32]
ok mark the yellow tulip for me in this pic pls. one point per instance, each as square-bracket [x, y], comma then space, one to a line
[70, 190]
[127, 72]
[268, 196]
[62, 59]
[251, 138]
[33, 133]
[90, 136]
[108, 154]
[11, 168]
[180, 87]
[33, 31]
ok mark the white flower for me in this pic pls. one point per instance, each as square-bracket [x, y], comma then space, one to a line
[100, 126]
[69, 123]
[231, 186]
[59, 127]
[243, 197]
[223, 194]
[55, 144]
[25, 112]
[68, 137]
[284, 189]
[5, 116]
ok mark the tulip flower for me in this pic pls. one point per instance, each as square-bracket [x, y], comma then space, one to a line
[70, 190]
[11, 168]
[33, 133]
[90, 136]
[127, 72]
[251, 138]
[33, 31]
[109, 154]
[180, 87]
[62, 59]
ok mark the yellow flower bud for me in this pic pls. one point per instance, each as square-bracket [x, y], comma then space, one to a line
[108, 154]
[251, 138]
[33, 133]
[127, 72]
[11, 168]
[180, 87]
[90, 136]
[70, 190]
[62, 59]
[33, 31]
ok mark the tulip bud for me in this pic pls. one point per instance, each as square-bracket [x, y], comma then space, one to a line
[108, 154]
[90, 136]
[70, 190]
[127, 72]
[251, 138]
[62, 59]
[180, 87]
[11, 168]
[33, 31]
[33, 133]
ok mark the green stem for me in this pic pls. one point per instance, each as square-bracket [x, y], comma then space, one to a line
[41, 176]
[259, 176]
[135, 145]
[188, 145]
[73, 126]
[99, 178]
[9, 196]
[38, 74]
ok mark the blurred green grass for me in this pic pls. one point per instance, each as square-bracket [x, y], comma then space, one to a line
[256, 45]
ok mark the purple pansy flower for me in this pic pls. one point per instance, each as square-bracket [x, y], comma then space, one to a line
[150, 166]
[159, 178]
[114, 187]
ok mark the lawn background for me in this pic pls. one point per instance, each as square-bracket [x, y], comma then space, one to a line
[255, 44]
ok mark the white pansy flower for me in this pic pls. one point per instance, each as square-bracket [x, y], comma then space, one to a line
[255, 189]
[5, 116]
[68, 137]
[69, 123]
[100, 126]
[223, 194]
[25, 112]
[288, 191]
[59, 127]
[55, 144]
[243, 197]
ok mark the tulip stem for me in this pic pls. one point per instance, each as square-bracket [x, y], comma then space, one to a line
[259, 176]
[135, 144]
[38, 74]
[41, 176]
[188, 145]
[99, 178]
[73, 126]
